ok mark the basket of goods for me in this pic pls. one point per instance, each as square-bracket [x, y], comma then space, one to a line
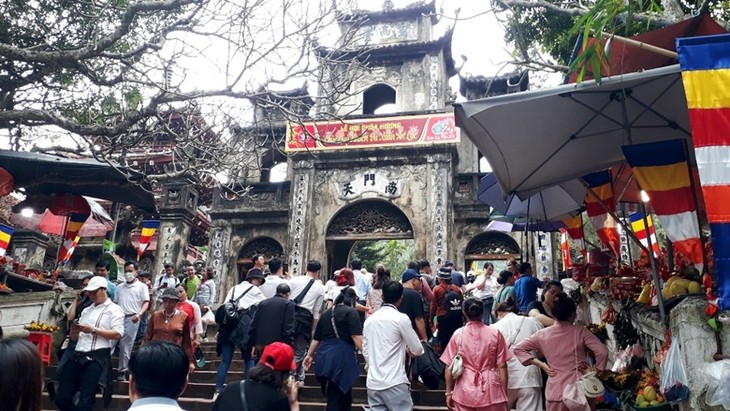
[625, 287]
[617, 382]
[647, 396]
[4, 289]
[39, 327]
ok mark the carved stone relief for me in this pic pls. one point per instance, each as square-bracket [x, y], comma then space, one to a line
[296, 225]
[370, 217]
[492, 243]
[439, 221]
[266, 246]
[433, 85]
[219, 238]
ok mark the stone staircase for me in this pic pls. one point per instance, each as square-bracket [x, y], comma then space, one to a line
[199, 392]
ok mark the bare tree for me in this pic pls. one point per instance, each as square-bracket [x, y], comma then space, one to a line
[157, 77]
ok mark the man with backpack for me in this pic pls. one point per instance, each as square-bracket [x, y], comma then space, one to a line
[234, 320]
[446, 306]
[308, 294]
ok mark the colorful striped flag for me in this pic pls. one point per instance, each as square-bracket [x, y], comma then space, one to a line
[705, 67]
[662, 171]
[565, 249]
[71, 237]
[149, 227]
[575, 231]
[637, 225]
[603, 223]
[6, 232]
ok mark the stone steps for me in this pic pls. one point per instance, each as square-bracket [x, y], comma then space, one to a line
[198, 395]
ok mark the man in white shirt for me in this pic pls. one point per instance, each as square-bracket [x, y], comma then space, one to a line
[168, 280]
[99, 325]
[483, 289]
[158, 374]
[133, 298]
[311, 303]
[387, 337]
[275, 277]
[246, 294]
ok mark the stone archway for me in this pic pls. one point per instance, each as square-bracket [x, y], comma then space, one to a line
[491, 246]
[267, 246]
[363, 220]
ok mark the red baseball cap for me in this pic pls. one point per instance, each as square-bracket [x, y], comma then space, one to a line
[279, 357]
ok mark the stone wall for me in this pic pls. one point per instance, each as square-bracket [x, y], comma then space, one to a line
[19, 309]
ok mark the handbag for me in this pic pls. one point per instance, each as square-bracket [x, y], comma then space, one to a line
[457, 364]
[576, 394]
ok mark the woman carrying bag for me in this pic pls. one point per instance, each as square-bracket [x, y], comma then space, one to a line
[565, 347]
[482, 384]
[338, 334]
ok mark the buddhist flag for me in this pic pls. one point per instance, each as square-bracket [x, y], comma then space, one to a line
[603, 223]
[149, 227]
[662, 171]
[705, 63]
[565, 249]
[575, 231]
[71, 237]
[6, 232]
[637, 225]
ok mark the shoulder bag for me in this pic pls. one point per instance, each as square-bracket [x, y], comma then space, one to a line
[303, 318]
[242, 389]
[457, 364]
[576, 394]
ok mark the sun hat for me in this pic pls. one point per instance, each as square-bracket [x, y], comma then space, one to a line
[255, 273]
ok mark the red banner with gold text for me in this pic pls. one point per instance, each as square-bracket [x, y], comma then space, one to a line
[373, 132]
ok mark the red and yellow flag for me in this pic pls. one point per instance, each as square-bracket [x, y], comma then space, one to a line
[71, 237]
[149, 227]
[603, 223]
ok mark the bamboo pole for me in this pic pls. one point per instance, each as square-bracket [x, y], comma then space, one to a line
[641, 45]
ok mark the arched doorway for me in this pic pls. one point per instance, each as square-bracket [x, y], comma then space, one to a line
[364, 220]
[267, 246]
[491, 246]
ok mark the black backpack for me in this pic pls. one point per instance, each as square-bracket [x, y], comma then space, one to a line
[227, 314]
[453, 302]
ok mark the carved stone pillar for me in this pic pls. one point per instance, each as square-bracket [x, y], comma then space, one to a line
[440, 206]
[29, 248]
[177, 210]
[219, 259]
[298, 231]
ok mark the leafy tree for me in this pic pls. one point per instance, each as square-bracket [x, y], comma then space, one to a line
[393, 254]
[116, 75]
[552, 27]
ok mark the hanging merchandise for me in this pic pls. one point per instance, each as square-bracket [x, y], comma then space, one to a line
[624, 332]
[673, 382]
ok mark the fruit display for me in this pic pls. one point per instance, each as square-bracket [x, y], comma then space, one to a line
[5, 289]
[41, 327]
[647, 395]
[618, 381]
[624, 332]
[599, 330]
[676, 286]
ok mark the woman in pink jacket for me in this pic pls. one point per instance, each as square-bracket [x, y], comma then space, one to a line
[483, 384]
[565, 348]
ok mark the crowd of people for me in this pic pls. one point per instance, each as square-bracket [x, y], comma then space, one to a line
[494, 326]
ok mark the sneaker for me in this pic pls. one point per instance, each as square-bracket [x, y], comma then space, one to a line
[215, 394]
[122, 376]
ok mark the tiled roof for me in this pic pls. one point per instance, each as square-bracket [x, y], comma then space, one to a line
[482, 86]
[412, 10]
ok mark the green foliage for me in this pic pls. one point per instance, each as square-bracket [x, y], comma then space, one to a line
[547, 28]
[394, 254]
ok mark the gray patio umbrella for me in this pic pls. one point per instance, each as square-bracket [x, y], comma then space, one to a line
[546, 205]
[536, 139]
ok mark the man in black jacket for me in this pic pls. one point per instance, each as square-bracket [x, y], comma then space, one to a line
[273, 321]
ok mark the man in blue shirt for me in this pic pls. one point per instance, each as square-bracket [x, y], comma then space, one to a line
[526, 287]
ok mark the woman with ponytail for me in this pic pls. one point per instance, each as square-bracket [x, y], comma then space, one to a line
[483, 384]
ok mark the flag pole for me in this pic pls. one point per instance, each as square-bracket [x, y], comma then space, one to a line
[693, 187]
[652, 260]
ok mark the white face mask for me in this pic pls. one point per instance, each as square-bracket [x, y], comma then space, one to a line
[129, 276]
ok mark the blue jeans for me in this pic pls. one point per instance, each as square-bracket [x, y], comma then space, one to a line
[142, 327]
[488, 305]
[227, 350]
